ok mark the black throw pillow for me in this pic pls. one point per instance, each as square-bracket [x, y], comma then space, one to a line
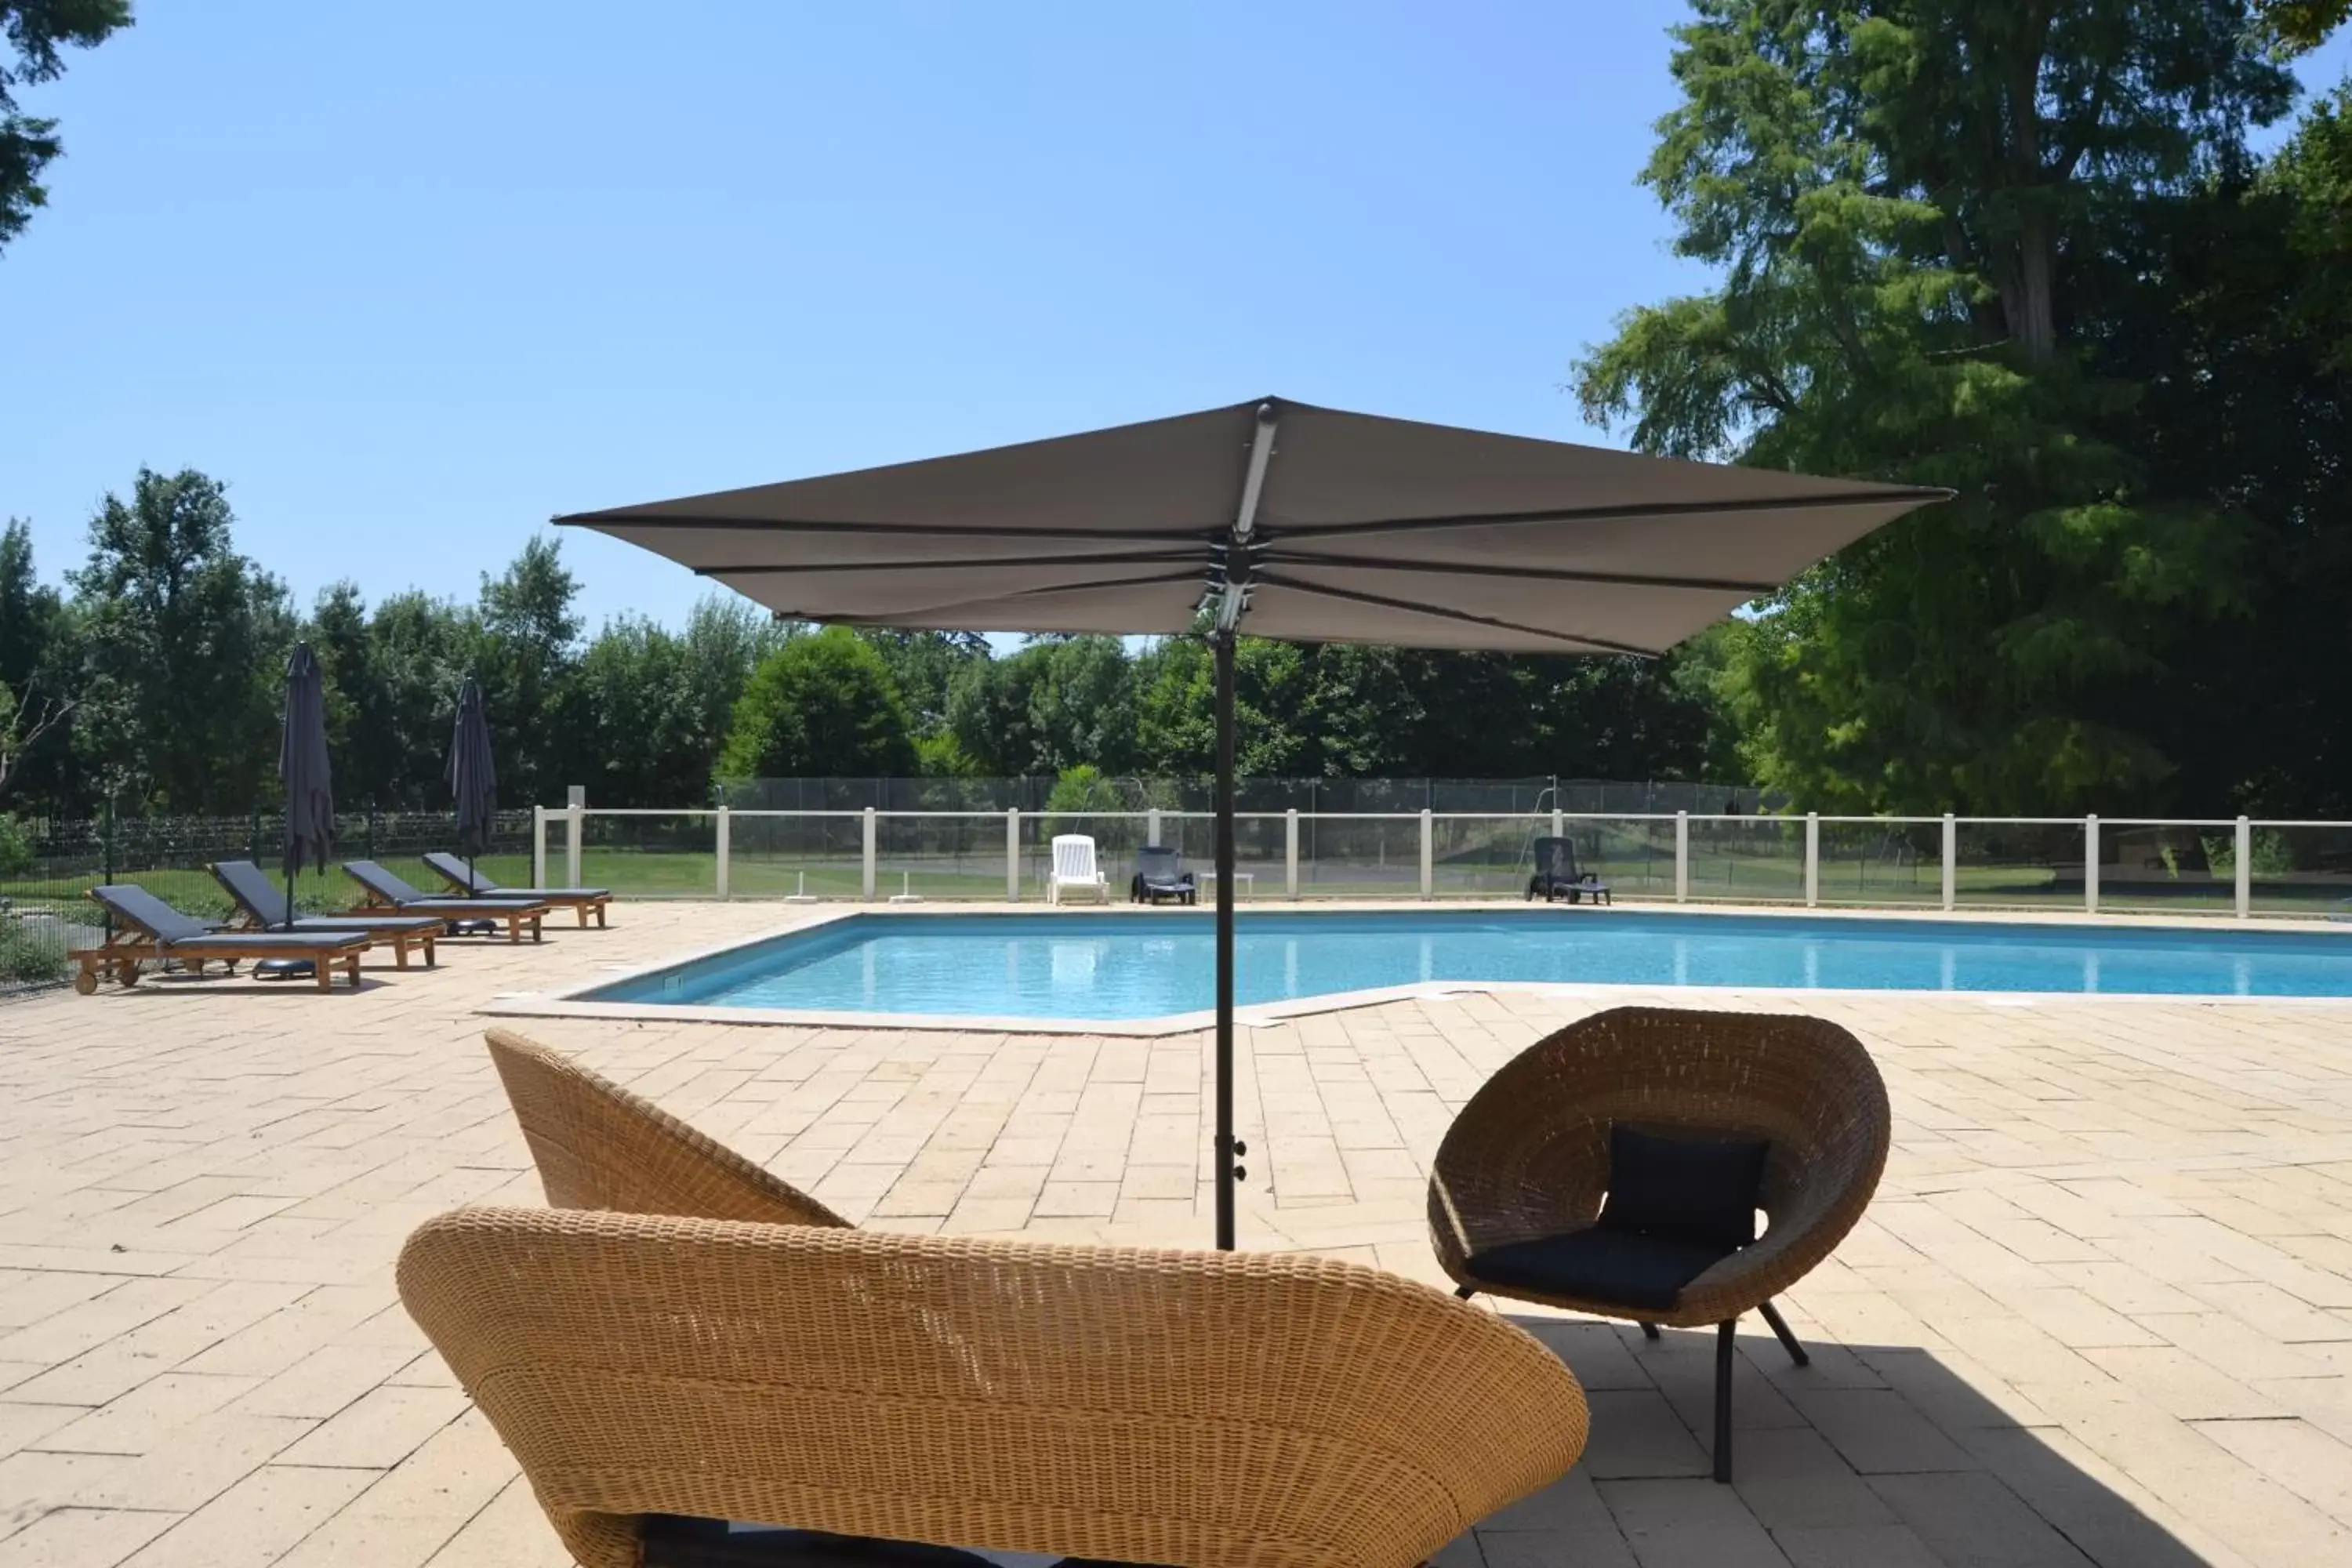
[1694, 1189]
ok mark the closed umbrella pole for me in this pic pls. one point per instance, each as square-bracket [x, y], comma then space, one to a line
[1274, 519]
[473, 779]
[307, 776]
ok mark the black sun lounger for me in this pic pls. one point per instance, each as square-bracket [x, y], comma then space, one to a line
[1557, 873]
[1159, 874]
[386, 892]
[148, 929]
[261, 905]
[459, 874]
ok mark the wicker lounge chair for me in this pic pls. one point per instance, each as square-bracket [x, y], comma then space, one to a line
[261, 906]
[584, 902]
[1195, 1410]
[386, 892]
[1526, 1163]
[598, 1146]
[148, 930]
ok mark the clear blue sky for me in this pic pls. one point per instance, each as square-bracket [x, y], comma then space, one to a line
[412, 278]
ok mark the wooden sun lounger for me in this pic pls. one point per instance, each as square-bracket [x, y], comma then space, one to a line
[584, 902]
[386, 893]
[261, 906]
[149, 930]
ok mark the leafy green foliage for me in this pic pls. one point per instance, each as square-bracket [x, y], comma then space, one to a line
[2300, 25]
[35, 31]
[181, 643]
[823, 704]
[25, 960]
[1920, 212]
[1084, 789]
[15, 847]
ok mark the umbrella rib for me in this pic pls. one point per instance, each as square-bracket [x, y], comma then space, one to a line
[914, 529]
[1588, 644]
[1626, 513]
[898, 616]
[1139, 558]
[1544, 574]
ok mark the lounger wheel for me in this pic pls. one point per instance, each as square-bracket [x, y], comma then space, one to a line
[86, 982]
[128, 974]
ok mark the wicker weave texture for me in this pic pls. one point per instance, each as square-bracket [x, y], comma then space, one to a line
[1528, 1156]
[598, 1146]
[1201, 1410]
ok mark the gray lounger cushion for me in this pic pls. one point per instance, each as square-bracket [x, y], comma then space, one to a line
[455, 870]
[250, 886]
[386, 886]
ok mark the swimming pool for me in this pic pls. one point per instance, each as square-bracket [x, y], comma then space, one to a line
[1136, 966]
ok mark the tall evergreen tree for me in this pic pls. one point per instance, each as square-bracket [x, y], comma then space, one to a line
[1909, 204]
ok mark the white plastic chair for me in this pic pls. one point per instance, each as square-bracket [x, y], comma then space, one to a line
[1074, 870]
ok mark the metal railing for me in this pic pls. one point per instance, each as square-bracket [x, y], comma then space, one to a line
[2233, 865]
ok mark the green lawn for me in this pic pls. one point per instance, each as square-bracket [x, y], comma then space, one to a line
[653, 873]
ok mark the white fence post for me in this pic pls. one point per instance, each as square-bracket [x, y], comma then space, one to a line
[1682, 856]
[1428, 855]
[1012, 855]
[2091, 865]
[1290, 853]
[1151, 826]
[576, 810]
[1812, 858]
[2244, 863]
[1559, 819]
[865, 877]
[719, 843]
[1951, 860]
[538, 846]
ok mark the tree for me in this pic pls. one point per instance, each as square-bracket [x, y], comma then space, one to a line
[525, 647]
[1911, 204]
[2300, 25]
[657, 703]
[36, 704]
[925, 664]
[35, 31]
[185, 641]
[822, 705]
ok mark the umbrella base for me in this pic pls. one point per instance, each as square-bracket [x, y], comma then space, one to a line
[284, 968]
[473, 927]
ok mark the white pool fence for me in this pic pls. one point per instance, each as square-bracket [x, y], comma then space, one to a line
[2238, 867]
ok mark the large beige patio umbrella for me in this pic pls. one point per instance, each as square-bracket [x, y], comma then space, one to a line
[1280, 519]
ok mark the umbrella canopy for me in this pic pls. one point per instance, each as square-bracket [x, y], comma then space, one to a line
[1333, 527]
[304, 770]
[473, 778]
[1281, 520]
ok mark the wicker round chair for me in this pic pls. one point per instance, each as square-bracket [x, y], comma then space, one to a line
[655, 1375]
[1529, 1158]
[598, 1146]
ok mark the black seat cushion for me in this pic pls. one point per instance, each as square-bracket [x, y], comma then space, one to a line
[671, 1541]
[1622, 1267]
[1697, 1189]
[1674, 1207]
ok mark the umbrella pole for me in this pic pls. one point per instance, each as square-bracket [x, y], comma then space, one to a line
[1226, 1149]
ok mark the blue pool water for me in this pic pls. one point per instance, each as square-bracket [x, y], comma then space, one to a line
[1145, 965]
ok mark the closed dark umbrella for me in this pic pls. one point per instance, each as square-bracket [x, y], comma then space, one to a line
[1280, 519]
[304, 770]
[473, 778]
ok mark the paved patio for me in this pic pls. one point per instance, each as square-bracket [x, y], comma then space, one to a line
[2101, 1310]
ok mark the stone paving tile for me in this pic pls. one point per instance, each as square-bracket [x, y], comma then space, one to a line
[2101, 1309]
[83, 1538]
[259, 1520]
